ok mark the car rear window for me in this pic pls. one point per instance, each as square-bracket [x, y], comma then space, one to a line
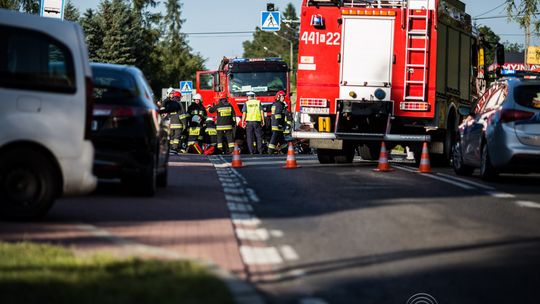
[528, 96]
[113, 87]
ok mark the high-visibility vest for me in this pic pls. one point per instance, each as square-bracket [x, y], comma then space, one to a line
[253, 111]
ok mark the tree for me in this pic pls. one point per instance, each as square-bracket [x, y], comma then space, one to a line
[118, 33]
[71, 13]
[179, 63]
[93, 33]
[490, 41]
[28, 6]
[513, 47]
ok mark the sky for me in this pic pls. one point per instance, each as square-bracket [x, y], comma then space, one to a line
[244, 15]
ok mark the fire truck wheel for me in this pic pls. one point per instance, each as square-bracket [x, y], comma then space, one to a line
[326, 156]
[370, 151]
[345, 156]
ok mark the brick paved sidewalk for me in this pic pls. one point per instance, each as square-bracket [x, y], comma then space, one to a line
[189, 218]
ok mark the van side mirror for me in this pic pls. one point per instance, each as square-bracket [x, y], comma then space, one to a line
[501, 60]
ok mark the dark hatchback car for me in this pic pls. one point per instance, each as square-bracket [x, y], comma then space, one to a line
[129, 137]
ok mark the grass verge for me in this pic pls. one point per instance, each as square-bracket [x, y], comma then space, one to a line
[34, 273]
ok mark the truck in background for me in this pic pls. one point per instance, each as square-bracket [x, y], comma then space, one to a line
[391, 70]
[237, 76]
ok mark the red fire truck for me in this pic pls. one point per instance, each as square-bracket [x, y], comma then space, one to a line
[235, 77]
[392, 70]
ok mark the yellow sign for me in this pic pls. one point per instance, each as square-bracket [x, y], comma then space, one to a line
[324, 124]
[533, 55]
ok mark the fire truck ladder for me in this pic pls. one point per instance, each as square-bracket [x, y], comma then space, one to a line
[415, 34]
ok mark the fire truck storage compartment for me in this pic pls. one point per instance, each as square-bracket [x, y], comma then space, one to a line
[367, 57]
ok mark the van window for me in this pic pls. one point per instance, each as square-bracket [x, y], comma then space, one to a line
[30, 60]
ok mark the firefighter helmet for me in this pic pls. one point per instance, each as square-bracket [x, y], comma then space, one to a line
[250, 94]
[197, 97]
[280, 93]
[170, 90]
[196, 119]
[177, 94]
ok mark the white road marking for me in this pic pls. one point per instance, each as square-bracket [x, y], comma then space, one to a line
[405, 169]
[235, 207]
[252, 195]
[312, 301]
[233, 190]
[528, 204]
[236, 198]
[500, 194]
[260, 255]
[479, 185]
[224, 165]
[276, 233]
[189, 164]
[280, 162]
[288, 253]
[260, 234]
[245, 219]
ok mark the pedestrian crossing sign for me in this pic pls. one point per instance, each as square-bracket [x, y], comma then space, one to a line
[186, 87]
[270, 21]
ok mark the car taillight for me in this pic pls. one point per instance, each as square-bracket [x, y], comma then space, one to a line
[123, 112]
[89, 101]
[510, 115]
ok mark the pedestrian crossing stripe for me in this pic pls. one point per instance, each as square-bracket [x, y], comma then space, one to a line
[270, 21]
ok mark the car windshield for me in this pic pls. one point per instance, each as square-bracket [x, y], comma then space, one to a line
[112, 86]
[528, 96]
[262, 83]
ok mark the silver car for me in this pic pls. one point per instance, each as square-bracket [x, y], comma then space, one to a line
[502, 132]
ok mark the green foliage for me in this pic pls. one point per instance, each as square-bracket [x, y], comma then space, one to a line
[513, 47]
[523, 12]
[490, 41]
[31, 273]
[71, 13]
[28, 6]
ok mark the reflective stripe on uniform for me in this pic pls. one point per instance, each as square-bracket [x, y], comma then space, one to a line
[231, 145]
[176, 126]
[272, 146]
[183, 116]
[211, 131]
[224, 128]
[277, 128]
[277, 116]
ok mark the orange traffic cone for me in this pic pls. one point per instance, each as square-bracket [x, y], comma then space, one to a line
[291, 161]
[425, 166]
[236, 161]
[383, 166]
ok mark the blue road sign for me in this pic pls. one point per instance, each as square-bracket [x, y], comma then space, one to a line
[186, 87]
[270, 21]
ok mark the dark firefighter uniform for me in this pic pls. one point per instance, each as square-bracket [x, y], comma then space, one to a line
[278, 119]
[253, 114]
[177, 118]
[195, 135]
[224, 124]
[210, 132]
[197, 109]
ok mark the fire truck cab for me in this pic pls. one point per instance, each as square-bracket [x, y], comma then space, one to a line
[235, 77]
[383, 70]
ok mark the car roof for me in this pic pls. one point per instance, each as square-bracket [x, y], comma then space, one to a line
[117, 67]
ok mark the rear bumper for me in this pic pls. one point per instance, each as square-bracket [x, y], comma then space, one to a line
[124, 158]
[77, 172]
[362, 136]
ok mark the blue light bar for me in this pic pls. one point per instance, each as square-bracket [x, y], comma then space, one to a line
[242, 60]
[508, 72]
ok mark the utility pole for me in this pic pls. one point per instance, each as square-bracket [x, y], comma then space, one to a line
[291, 50]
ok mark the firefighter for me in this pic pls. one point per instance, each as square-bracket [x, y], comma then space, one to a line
[210, 132]
[224, 125]
[197, 108]
[195, 135]
[177, 117]
[278, 115]
[252, 119]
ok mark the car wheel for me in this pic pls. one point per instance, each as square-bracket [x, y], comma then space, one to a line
[325, 156]
[487, 171]
[162, 178]
[457, 161]
[29, 184]
[146, 184]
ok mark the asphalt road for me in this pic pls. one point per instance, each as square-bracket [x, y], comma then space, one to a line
[323, 233]
[359, 236]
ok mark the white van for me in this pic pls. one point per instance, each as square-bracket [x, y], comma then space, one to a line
[45, 113]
